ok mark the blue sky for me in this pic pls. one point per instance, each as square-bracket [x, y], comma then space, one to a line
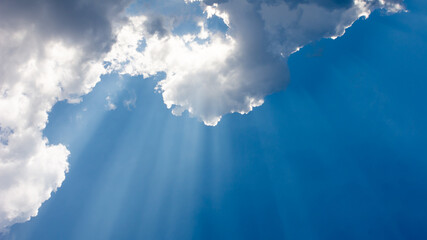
[340, 154]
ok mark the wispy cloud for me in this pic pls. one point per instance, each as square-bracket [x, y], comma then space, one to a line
[110, 105]
[130, 103]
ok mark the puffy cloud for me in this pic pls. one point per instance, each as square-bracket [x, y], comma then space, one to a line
[54, 50]
[49, 51]
[209, 73]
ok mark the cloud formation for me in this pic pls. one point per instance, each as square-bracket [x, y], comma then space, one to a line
[54, 50]
[49, 51]
[211, 73]
[208, 74]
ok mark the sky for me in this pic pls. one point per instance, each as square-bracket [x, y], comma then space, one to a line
[213, 120]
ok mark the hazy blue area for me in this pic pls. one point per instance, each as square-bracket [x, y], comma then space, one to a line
[341, 154]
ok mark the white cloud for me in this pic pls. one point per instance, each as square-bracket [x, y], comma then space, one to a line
[53, 50]
[49, 51]
[206, 78]
[110, 105]
[130, 102]
[211, 74]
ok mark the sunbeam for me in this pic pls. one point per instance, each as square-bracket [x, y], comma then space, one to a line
[213, 119]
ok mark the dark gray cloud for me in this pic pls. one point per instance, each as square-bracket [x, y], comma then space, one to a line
[85, 22]
[156, 25]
